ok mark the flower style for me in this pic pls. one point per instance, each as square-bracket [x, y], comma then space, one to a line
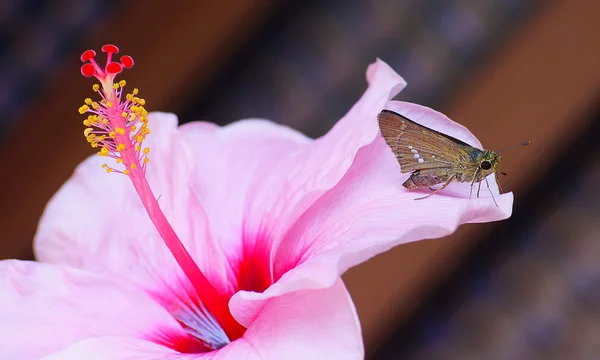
[231, 241]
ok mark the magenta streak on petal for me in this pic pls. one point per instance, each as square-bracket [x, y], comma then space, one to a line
[253, 268]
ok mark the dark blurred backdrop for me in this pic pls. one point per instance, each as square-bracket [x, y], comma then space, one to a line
[509, 70]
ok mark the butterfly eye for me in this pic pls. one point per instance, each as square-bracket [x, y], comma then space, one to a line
[486, 165]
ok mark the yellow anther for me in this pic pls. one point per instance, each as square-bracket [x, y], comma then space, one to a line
[146, 150]
[112, 134]
[109, 170]
[135, 91]
[95, 87]
[133, 128]
[139, 138]
[120, 147]
[124, 114]
[137, 148]
[132, 166]
[87, 131]
[119, 161]
[146, 160]
[142, 102]
[129, 97]
[101, 137]
[120, 131]
[88, 101]
[94, 144]
[91, 137]
[103, 152]
[115, 86]
[122, 83]
[105, 121]
[126, 172]
[131, 118]
[104, 166]
[109, 104]
[95, 106]
[83, 109]
[86, 122]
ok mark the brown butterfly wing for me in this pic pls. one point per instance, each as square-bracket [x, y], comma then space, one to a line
[417, 147]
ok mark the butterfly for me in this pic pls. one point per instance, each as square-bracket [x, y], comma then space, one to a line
[434, 158]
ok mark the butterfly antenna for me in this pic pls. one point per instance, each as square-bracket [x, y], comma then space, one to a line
[514, 146]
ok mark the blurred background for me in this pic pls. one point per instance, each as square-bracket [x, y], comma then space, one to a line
[509, 70]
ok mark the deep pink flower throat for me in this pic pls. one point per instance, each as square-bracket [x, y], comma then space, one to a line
[117, 125]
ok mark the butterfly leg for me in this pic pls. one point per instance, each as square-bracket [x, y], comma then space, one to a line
[438, 190]
[473, 182]
[498, 183]
[478, 188]
[491, 193]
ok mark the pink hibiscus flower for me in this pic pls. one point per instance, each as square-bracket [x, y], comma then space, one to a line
[231, 241]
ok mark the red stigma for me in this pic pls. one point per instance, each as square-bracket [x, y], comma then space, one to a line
[114, 68]
[88, 55]
[87, 70]
[126, 61]
[109, 48]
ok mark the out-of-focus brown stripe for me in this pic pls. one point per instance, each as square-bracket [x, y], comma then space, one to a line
[540, 87]
[181, 43]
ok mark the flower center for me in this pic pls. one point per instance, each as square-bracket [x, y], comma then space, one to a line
[117, 125]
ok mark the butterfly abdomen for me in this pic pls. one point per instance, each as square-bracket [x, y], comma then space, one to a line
[419, 180]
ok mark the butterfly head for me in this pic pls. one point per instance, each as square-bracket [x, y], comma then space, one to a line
[488, 162]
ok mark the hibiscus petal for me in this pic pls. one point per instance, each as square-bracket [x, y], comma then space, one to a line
[310, 324]
[315, 324]
[46, 308]
[369, 212]
[117, 348]
[255, 178]
[232, 166]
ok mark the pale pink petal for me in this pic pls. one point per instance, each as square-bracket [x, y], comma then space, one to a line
[309, 324]
[97, 222]
[233, 164]
[367, 213]
[117, 348]
[45, 308]
[320, 324]
[255, 178]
